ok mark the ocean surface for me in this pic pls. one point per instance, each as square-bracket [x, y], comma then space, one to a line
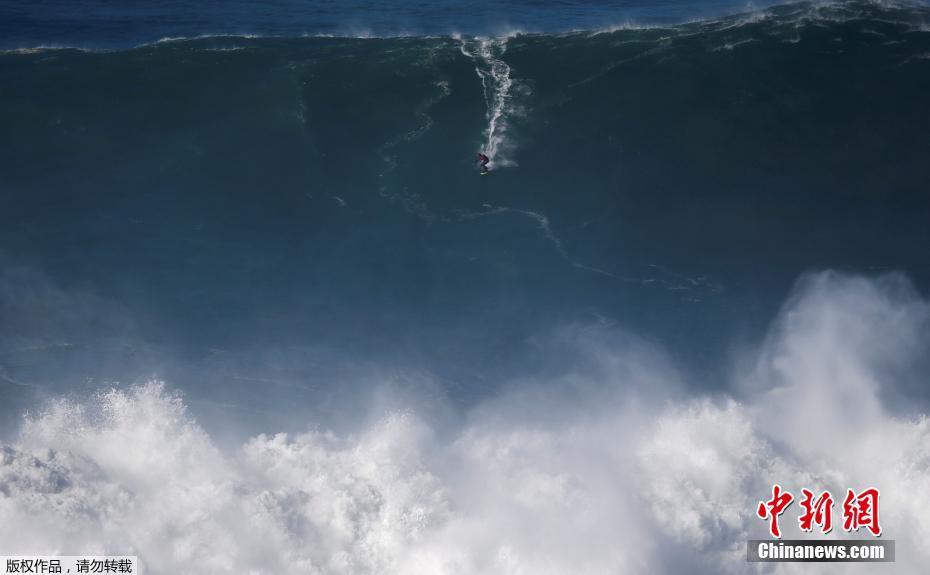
[250, 274]
[106, 24]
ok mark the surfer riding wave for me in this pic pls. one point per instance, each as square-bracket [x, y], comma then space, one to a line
[483, 161]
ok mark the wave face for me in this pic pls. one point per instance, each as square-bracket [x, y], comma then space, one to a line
[224, 198]
[293, 234]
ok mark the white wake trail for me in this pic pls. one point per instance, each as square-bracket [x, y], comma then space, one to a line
[494, 72]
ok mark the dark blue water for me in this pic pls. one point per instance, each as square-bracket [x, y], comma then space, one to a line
[102, 24]
[268, 222]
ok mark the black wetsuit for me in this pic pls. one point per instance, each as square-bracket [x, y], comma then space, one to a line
[483, 160]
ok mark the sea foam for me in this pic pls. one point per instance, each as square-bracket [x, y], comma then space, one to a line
[624, 473]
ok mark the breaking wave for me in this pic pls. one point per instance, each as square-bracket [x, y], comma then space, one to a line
[620, 474]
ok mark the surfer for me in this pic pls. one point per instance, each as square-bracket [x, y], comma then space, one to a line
[483, 161]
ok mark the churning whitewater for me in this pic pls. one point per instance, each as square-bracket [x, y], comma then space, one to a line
[600, 476]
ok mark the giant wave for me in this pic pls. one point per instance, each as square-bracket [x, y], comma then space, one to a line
[392, 365]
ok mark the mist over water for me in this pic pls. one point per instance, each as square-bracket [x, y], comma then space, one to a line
[619, 471]
[259, 309]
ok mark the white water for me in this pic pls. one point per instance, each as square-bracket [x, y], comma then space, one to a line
[497, 84]
[622, 472]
